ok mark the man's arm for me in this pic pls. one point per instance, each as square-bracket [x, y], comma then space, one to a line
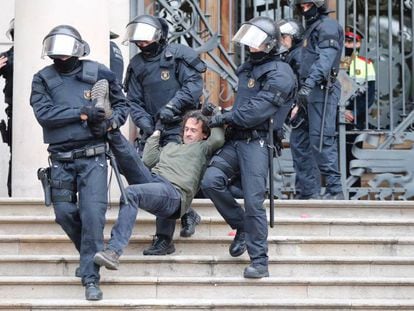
[152, 150]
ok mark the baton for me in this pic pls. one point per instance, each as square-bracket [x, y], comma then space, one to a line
[270, 157]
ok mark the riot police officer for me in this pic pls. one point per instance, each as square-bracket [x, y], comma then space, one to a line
[6, 71]
[292, 33]
[320, 92]
[163, 82]
[265, 88]
[116, 61]
[74, 128]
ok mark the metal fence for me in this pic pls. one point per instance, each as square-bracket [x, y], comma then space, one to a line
[375, 157]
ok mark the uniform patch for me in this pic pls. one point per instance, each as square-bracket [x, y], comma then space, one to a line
[165, 74]
[250, 83]
[87, 94]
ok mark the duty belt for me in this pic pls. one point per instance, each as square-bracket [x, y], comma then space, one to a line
[238, 134]
[78, 153]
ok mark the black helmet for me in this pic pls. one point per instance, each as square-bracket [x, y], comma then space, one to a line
[317, 3]
[146, 28]
[292, 28]
[258, 32]
[64, 40]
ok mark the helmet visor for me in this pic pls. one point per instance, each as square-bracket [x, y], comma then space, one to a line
[141, 32]
[251, 36]
[62, 45]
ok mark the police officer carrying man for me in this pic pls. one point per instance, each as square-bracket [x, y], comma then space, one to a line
[320, 92]
[163, 82]
[75, 129]
[265, 88]
[116, 61]
[292, 34]
[363, 71]
[6, 71]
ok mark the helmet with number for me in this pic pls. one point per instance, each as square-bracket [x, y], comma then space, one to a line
[10, 31]
[146, 28]
[64, 40]
[291, 27]
[259, 33]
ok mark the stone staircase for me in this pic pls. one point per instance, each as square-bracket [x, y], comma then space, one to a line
[324, 255]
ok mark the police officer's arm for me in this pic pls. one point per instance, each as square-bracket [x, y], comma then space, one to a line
[48, 114]
[152, 150]
[140, 117]
[187, 97]
[278, 88]
[327, 49]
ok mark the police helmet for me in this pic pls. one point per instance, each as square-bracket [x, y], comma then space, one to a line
[292, 28]
[64, 40]
[260, 33]
[317, 3]
[145, 28]
[10, 31]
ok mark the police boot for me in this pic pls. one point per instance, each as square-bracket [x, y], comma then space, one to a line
[161, 245]
[256, 271]
[238, 246]
[188, 223]
[100, 94]
[92, 291]
[107, 258]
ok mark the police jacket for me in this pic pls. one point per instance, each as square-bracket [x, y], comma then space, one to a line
[321, 51]
[57, 98]
[116, 61]
[263, 89]
[294, 59]
[172, 76]
[7, 73]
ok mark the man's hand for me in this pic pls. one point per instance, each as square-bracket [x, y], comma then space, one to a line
[100, 129]
[93, 114]
[166, 114]
[303, 94]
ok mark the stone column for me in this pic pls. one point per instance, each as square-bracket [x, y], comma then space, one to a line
[34, 19]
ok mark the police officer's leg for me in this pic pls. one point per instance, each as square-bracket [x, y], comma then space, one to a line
[304, 163]
[128, 160]
[64, 202]
[327, 160]
[92, 188]
[253, 159]
[215, 186]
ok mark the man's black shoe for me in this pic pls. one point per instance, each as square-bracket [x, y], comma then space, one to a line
[256, 272]
[333, 196]
[161, 245]
[188, 223]
[93, 292]
[77, 272]
[238, 246]
[107, 258]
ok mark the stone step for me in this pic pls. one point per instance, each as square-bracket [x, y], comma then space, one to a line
[214, 266]
[238, 304]
[283, 208]
[211, 287]
[215, 226]
[278, 246]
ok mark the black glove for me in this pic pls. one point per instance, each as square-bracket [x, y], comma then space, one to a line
[207, 109]
[169, 113]
[100, 129]
[217, 120]
[159, 126]
[95, 114]
[303, 94]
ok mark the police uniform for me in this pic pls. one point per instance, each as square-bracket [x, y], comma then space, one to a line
[78, 175]
[321, 51]
[116, 61]
[264, 90]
